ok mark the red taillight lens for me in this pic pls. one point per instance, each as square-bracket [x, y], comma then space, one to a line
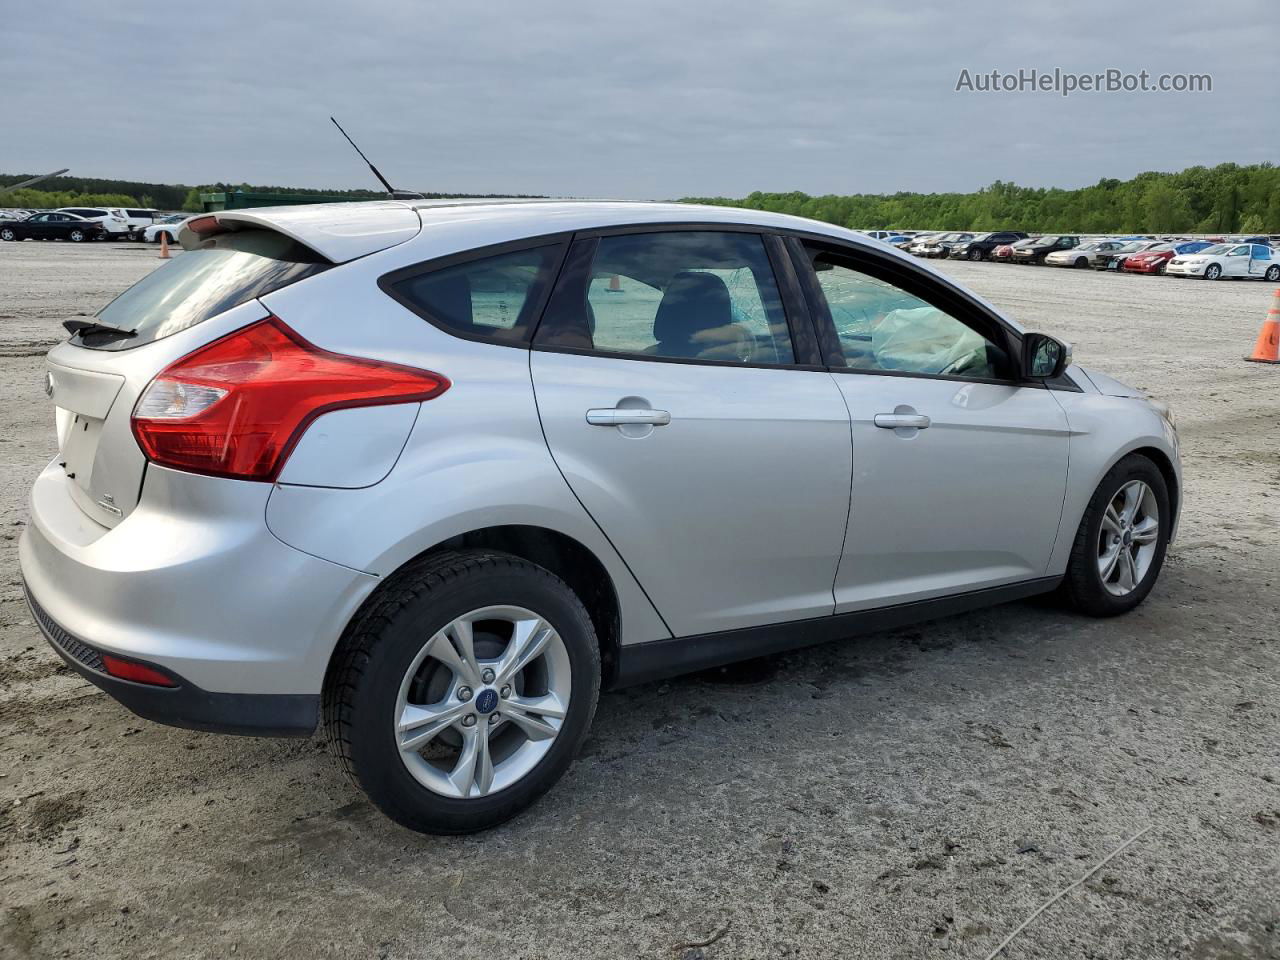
[236, 407]
[137, 672]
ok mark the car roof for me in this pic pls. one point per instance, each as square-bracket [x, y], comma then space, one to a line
[345, 231]
[437, 228]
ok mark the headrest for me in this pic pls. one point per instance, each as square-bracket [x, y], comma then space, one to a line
[692, 302]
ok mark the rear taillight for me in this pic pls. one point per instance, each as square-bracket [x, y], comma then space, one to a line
[236, 407]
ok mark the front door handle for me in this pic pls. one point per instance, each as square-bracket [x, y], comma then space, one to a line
[617, 416]
[898, 421]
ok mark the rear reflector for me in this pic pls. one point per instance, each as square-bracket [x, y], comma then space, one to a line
[237, 407]
[137, 672]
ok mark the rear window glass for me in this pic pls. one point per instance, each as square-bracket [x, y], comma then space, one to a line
[491, 298]
[223, 272]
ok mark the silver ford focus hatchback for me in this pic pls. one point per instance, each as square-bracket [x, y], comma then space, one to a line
[434, 473]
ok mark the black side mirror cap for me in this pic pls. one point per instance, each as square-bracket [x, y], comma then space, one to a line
[1044, 357]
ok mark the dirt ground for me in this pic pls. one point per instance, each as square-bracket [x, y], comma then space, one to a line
[912, 794]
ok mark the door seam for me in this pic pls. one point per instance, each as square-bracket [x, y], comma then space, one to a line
[533, 385]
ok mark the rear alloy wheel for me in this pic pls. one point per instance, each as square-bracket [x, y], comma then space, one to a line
[1273, 272]
[1121, 543]
[1212, 272]
[76, 236]
[7, 234]
[463, 691]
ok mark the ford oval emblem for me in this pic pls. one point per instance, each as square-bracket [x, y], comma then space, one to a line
[487, 701]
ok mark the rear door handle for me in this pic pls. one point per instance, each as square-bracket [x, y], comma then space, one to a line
[617, 416]
[897, 421]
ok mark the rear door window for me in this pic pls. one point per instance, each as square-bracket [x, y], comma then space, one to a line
[688, 295]
[222, 272]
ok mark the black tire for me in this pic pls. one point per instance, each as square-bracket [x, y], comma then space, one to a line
[76, 236]
[1082, 588]
[1273, 272]
[381, 642]
[1082, 263]
[975, 255]
[1212, 272]
[8, 235]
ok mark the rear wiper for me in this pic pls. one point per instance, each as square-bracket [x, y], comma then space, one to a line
[83, 327]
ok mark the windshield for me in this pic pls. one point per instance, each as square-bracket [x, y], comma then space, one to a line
[221, 273]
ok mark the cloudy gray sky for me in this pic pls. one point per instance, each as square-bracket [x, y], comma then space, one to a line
[660, 99]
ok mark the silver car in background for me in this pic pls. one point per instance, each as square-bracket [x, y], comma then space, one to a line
[432, 474]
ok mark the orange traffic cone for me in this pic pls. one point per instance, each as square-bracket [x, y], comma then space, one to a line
[164, 246]
[1267, 349]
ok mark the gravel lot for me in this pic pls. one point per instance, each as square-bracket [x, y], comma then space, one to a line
[911, 794]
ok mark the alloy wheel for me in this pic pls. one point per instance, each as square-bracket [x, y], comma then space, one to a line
[482, 702]
[1128, 538]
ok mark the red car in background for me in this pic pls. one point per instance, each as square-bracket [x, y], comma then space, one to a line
[1003, 252]
[1154, 259]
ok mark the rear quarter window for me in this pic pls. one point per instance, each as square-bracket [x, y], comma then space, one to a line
[222, 272]
[495, 298]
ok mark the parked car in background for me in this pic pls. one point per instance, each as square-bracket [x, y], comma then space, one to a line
[138, 219]
[168, 227]
[902, 240]
[1155, 259]
[1004, 252]
[1256, 261]
[1114, 259]
[1080, 256]
[983, 245]
[54, 225]
[879, 234]
[940, 246]
[115, 225]
[1035, 251]
[385, 465]
[918, 241]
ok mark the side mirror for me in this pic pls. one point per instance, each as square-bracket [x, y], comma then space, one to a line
[1043, 357]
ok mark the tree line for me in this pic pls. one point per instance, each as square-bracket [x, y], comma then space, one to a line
[1228, 198]
[96, 192]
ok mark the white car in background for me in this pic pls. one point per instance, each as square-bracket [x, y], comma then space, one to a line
[168, 226]
[1254, 260]
[138, 219]
[114, 222]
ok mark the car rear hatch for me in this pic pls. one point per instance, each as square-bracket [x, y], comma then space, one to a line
[95, 378]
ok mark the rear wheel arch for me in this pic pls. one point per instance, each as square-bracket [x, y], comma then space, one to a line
[562, 555]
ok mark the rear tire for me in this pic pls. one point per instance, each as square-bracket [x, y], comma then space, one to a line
[392, 654]
[1273, 273]
[1085, 588]
[76, 236]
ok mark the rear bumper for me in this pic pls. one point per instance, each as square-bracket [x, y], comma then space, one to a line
[193, 582]
[185, 705]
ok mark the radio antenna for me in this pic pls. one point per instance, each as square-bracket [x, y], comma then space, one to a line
[392, 192]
